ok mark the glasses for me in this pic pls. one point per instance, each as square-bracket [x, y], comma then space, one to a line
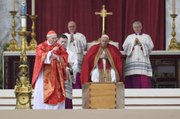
[54, 38]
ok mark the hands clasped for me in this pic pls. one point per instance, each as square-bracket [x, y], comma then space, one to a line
[137, 42]
[103, 55]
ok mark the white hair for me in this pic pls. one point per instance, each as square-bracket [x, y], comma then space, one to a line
[105, 36]
[137, 23]
[51, 35]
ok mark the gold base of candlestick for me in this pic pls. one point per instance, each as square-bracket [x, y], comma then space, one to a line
[33, 44]
[174, 45]
[13, 45]
[23, 91]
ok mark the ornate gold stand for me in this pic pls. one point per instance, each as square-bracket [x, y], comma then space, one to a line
[33, 42]
[173, 44]
[23, 88]
[13, 44]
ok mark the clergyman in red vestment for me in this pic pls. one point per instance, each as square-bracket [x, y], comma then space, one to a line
[102, 63]
[49, 74]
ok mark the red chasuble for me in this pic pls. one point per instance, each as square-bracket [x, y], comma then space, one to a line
[91, 60]
[54, 73]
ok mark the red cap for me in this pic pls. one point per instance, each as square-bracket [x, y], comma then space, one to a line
[51, 33]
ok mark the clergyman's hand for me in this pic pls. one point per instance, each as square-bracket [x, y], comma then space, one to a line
[137, 42]
[55, 48]
[55, 57]
[103, 56]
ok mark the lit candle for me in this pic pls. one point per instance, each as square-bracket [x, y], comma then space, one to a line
[173, 6]
[33, 7]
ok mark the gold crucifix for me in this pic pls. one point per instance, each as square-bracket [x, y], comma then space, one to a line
[103, 14]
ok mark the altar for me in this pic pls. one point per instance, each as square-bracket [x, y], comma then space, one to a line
[165, 64]
[10, 67]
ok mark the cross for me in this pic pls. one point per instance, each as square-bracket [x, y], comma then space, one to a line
[103, 14]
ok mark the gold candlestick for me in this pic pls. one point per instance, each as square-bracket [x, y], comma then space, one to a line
[13, 44]
[173, 43]
[33, 42]
[23, 88]
[24, 43]
[24, 34]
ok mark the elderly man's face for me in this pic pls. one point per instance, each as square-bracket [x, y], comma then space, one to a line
[137, 28]
[52, 39]
[63, 42]
[104, 42]
[72, 27]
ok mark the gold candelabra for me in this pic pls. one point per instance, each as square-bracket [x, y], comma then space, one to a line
[13, 44]
[33, 42]
[173, 43]
[23, 88]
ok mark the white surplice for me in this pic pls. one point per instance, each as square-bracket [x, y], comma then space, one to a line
[137, 57]
[78, 46]
[73, 62]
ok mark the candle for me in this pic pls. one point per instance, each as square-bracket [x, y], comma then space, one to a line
[13, 5]
[23, 8]
[173, 6]
[33, 7]
[23, 21]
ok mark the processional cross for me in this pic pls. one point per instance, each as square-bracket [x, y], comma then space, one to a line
[103, 14]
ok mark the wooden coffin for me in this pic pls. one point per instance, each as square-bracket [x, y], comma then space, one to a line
[103, 95]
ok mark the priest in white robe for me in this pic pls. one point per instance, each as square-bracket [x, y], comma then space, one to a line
[137, 47]
[77, 44]
[71, 71]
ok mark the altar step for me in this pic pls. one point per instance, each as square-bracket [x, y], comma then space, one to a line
[134, 99]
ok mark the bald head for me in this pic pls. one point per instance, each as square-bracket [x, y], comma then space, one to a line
[71, 26]
[137, 26]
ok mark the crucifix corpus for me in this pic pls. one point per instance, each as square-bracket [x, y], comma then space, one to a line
[103, 14]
